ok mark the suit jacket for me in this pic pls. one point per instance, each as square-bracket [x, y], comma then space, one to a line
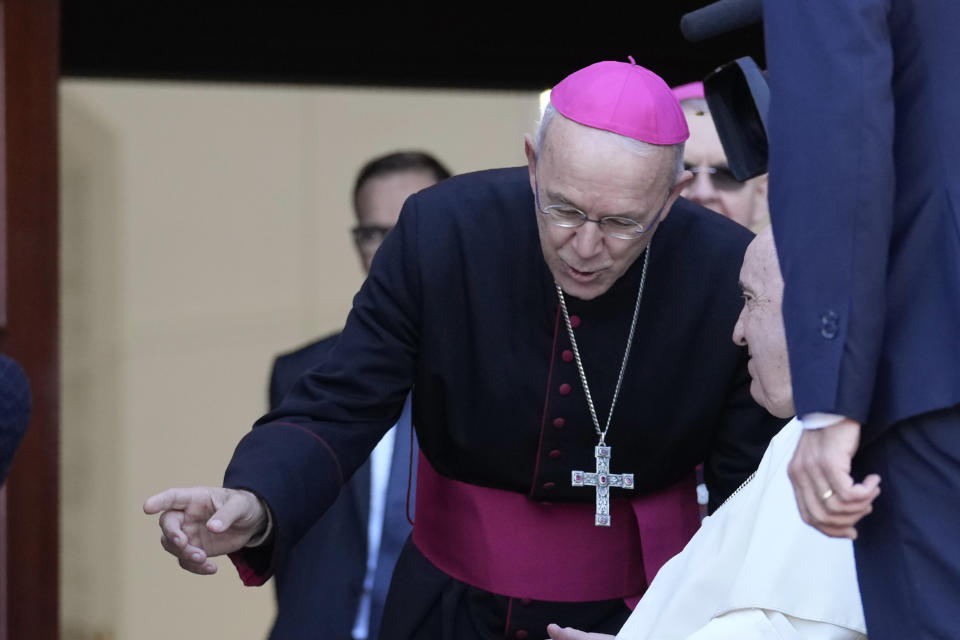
[865, 202]
[320, 584]
[460, 306]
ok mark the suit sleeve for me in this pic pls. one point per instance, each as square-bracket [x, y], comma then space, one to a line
[831, 192]
[299, 455]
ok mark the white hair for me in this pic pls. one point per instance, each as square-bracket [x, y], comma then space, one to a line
[639, 147]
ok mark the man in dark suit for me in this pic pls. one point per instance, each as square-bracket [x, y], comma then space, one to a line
[865, 202]
[336, 578]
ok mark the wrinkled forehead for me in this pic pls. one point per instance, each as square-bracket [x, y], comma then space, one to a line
[761, 269]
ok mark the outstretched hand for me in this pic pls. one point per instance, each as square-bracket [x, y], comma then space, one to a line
[568, 633]
[827, 496]
[201, 522]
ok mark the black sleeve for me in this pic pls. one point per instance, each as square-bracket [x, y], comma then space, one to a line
[299, 455]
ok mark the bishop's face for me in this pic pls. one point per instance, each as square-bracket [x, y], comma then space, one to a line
[593, 172]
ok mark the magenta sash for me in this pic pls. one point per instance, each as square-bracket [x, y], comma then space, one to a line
[505, 543]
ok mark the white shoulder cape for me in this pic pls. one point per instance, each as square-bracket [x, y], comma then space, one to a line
[755, 570]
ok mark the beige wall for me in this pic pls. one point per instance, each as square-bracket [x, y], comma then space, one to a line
[205, 228]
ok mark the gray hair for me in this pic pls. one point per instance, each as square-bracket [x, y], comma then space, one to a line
[639, 147]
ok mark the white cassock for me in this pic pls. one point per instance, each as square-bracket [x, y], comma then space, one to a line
[755, 571]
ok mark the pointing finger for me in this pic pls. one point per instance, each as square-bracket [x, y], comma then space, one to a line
[170, 499]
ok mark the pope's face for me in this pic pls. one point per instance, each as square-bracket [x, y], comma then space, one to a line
[743, 202]
[586, 169]
[760, 327]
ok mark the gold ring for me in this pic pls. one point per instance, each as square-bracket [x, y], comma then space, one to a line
[826, 495]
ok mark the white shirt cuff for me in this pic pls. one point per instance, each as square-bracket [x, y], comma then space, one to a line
[818, 420]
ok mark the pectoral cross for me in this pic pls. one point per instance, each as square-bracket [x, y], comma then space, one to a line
[602, 480]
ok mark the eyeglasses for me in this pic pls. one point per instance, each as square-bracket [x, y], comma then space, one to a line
[369, 237]
[721, 177]
[569, 217]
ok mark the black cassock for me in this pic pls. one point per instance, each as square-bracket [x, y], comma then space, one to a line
[461, 306]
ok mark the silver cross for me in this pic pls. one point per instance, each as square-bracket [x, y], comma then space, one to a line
[602, 480]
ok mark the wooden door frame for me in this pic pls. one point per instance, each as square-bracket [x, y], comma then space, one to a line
[29, 183]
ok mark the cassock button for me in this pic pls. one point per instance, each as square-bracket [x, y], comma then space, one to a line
[558, 423]
[567, 355]
[549, 485]
[556, 453]
[565, 389]
[574, 321]
[521, 634]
